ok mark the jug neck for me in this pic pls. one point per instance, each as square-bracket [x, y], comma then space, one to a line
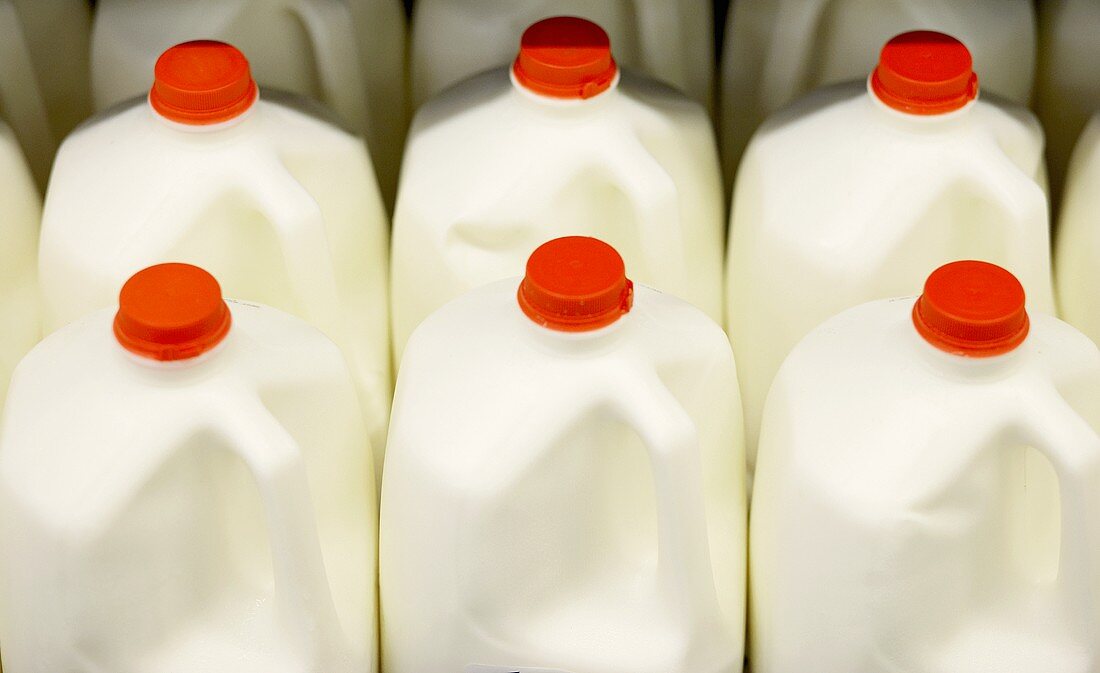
[592, 343]
[919, 123]
[564, 106]
[204, 129]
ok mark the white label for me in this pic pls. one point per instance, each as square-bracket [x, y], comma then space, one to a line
[480, 668]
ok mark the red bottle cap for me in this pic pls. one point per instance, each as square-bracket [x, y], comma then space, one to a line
[575, 284]
[972, 308]
[565, 57]
[171, 312]
[202, 82]
[925, 73]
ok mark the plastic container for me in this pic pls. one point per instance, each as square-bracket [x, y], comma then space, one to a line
[855, 191]
[1078, 242]
[350, 54]
[564, 487]
[278, 203]
[669, 40]
[20, 213]
[44, 90]
[1067, 87]
[927, 496]
[207, 503]
[777, 50]
[557, 144]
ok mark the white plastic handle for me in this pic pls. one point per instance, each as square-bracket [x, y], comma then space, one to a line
[20, 97]
[1068, 441]
[790, 50]
[332, 33]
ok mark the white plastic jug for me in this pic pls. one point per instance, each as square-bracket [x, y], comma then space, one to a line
[565, 487]
[206, 503]
[44, 90]
[20, 213]
[279, 204]
[855, 191]
[556, 145]
[350, 54]
[669, 40]
[776, 50]
[1068, 91]
[927, 496]
[1078, 241]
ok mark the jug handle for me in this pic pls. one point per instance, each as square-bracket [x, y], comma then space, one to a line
[1069, 442]
[20, 96]
[302, 596]
[672, 443]
[789, 50]
[331, 31]
[655, 199]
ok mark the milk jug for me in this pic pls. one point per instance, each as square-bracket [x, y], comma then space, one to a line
[207, 502]
[44, 89]
[279, 204]
[20, 212]
[1068, 90]
[559, 143]
[1078, 242]
[927, 496]
[855, 191]
[564, 486]
[348, 53]
[776, 50]
[669, 40]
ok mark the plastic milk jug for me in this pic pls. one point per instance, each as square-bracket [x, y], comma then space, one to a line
[20, 213]
[927, 495]
[1068, 89]
[669, 40]
[186, 488]
[556, 144]
[279, 204]
[565, 488]
[854, 192]
[350, 54]
[44, 90]
[776, 50]
[1078, 241]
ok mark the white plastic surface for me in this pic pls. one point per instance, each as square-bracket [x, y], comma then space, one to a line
[20, 213]
[776, 50]
[569, 501]
[1078, 241]
[1068, 91]
[920, 511]
[279, 205]
[350, 54]
[670, 40]
[492, 171]
[44, 91]
[207, 515]
[841, 200]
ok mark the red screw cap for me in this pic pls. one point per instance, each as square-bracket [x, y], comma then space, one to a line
[972, 308]
[925, 73]
[575, 284]
[171, 312]
[202, 82]
[565, 57]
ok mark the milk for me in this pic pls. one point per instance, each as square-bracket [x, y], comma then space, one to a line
[669, 40]
[777, 50]
[207, 502]
[926, 499]
[278, 203]
[349, 54]
[855, 191]
[560, 143]
[564, 484]
[1067, 91]
[20, 213]
[1078, 242]
[44, 90]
